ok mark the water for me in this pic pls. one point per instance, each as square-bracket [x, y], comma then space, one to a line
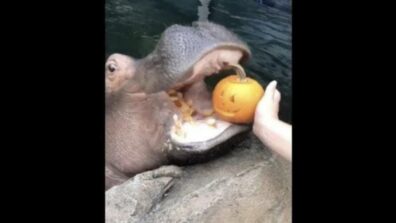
[134, 27]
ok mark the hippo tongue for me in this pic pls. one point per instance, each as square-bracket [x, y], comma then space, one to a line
[180, 47]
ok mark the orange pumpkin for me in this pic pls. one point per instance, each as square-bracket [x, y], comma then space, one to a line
[235, 97]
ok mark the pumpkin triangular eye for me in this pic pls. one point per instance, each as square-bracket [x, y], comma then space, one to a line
[232, 98]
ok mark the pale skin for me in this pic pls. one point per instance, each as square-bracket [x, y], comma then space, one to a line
[274, 133]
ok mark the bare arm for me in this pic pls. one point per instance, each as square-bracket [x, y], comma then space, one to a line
[274, 133]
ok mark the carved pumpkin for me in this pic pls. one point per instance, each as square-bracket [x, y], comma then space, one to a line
[235, 97]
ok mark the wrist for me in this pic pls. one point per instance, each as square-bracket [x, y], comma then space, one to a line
[263, 125]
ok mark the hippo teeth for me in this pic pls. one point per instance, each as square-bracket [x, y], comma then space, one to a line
[197, 130]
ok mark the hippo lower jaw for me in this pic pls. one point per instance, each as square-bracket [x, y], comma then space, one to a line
[220, 135]
[203, 141]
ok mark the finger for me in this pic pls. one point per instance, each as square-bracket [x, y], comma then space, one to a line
[265, 104]
[266, 100]
[277, 97]
[270, 91]
[276, 101]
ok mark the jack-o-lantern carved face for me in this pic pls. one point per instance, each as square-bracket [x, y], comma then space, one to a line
[235, 98]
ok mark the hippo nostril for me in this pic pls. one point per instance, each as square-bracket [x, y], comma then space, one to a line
[111, 67]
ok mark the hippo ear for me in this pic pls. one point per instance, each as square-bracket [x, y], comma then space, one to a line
[120, 69]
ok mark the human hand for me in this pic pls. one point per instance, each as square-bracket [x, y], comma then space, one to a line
[268, 128]
[268, 107]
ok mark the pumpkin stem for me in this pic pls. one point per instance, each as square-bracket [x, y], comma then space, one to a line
[239, 70]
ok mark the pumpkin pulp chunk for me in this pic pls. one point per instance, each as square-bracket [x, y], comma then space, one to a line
[190, 126]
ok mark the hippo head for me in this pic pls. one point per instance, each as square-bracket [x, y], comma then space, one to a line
[174, 73]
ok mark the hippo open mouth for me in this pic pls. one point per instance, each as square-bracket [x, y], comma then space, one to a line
[196, 128]
[195, 122]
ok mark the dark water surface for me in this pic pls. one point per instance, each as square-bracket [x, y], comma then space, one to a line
[133, 27]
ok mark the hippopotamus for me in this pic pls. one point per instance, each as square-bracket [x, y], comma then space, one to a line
[142, 118]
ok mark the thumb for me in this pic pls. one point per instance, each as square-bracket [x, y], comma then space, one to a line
[268, 105]
[277, 98]
[270, 91]
[267, 99]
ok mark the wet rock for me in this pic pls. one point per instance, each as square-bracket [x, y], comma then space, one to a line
[248, 184]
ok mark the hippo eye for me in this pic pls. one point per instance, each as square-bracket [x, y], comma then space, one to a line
[111, 67]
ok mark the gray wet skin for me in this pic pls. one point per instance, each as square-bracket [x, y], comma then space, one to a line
[138, 110]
